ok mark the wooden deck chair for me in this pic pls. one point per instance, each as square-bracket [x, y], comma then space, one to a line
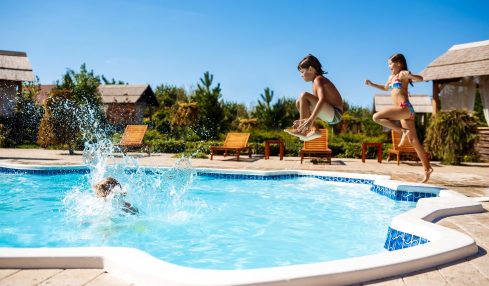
[318, 147]
[407, 148]
[236, 142]
[133, 138]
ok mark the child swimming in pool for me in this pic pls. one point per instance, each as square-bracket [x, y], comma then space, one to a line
[324, 102]
[402, 110]
[110, 185]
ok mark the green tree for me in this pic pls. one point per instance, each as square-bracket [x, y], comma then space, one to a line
[112, 81]
[210, 107]
[478, 108]
[59, 124]
[75, 102]
[23, 125]
[284, 112]
[264, 111]
[452, 135]
[277, 116]
[168, 96]
[233, 113]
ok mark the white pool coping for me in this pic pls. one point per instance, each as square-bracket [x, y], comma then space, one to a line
[133, 265]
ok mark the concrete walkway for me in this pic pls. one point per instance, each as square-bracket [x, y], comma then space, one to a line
[469, 179]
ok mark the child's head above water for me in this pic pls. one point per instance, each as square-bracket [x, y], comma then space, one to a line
[106, 186]
[311, 61]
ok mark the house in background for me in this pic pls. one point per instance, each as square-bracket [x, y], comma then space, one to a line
[14, 69]
[456, 75]
[126, 103]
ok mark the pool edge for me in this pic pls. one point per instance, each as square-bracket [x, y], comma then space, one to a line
[133, 265]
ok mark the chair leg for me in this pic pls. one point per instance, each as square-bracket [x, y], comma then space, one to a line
[302, 157]
[398, 158]
[212, 153]
[249, 152]
[237, 155]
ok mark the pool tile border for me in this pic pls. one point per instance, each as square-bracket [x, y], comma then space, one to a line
[397, 239]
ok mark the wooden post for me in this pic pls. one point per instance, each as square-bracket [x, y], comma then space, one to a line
[436, 99]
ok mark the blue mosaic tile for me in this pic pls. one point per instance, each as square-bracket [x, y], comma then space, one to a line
[396, 240]
[44, 171]
[400, 195]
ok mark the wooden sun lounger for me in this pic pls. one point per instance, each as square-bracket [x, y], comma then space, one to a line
[318, 147]
[133, 138]
[407, 148]
[236, 142]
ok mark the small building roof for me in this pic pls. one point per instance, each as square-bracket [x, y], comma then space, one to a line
[15, 66]
[127, 93]
[421, 102]
[470, 59]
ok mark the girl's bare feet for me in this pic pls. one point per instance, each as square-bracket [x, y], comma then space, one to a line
[427, 174]
[404, 136]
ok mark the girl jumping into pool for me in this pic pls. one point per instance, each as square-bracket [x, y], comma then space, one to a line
[324, 102]
[402, 110]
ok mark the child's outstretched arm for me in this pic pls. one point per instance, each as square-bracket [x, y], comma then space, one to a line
[379, 86]
[407, 75]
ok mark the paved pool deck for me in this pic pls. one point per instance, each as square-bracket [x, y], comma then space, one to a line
[469, 179]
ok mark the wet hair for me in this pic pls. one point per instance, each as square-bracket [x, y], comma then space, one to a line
[105, 187]
[311, 61]
[399, 58]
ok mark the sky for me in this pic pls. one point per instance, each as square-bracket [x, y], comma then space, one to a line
[247, 45]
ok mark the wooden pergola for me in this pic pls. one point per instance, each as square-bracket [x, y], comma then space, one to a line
[460, 61]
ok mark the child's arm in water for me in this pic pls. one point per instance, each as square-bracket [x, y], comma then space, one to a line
[128, 208]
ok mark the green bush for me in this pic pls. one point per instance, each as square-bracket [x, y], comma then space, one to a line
[451, 136]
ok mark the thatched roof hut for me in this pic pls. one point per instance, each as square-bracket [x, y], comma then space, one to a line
[468, 61]
[14, 69]
[15, 66]
[471, 59]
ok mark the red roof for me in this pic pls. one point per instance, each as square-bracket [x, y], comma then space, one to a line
[43, 93]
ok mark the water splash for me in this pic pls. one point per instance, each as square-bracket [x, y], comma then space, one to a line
[157, 192]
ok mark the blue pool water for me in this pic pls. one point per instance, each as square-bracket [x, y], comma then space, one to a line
[200, 221]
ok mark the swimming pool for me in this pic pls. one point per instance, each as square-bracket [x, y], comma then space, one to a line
[215, 223]
[401, 230]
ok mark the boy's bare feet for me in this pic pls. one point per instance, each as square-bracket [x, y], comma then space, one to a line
[294, 132]
[427, 174]
[404, 136]
[312, 134]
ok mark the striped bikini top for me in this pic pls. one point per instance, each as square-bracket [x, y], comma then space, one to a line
[396, 82]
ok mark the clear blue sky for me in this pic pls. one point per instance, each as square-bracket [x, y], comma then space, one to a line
[247, 45]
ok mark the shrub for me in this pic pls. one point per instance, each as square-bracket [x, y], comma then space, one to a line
[451, 136]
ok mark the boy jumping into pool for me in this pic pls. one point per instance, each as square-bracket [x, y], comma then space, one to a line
[324, 102]
[110, 185]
